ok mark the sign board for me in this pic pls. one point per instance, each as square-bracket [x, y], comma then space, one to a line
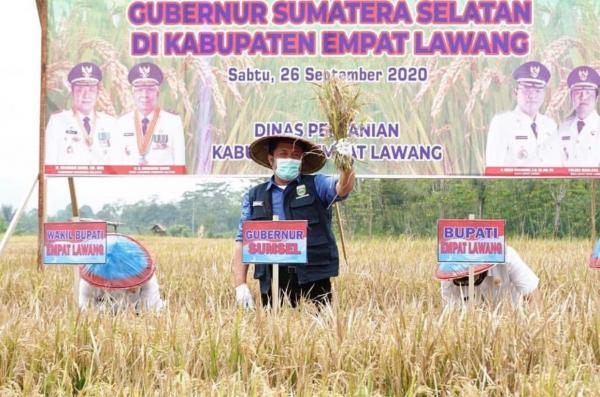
[184, 87]
[74, 243]
[281, 242]
[477, 241]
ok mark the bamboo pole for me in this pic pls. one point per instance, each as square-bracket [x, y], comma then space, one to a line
[593, 210]
[275, 281]
[471, 275]
[73, 194]
[342, 237]
[42, 6]
[75, 214]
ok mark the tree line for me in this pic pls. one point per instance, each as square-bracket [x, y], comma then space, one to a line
[386, 207]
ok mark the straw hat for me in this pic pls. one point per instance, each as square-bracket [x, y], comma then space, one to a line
[128, 264]
[312, 161]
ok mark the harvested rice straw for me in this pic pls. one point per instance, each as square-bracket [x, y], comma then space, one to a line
[105, 103]
[482, 86]
[555, 50]
[339, 101]
[557, 100]
[448, 80]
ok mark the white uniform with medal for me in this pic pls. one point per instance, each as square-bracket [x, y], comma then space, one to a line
[511, 141]
[68, 143]
[580, 149]
[164, 139]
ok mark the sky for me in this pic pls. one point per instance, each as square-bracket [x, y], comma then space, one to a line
[20, 36]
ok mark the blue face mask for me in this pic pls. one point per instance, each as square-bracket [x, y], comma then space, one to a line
[288, 169]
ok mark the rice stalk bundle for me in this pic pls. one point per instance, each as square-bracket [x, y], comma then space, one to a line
[339, 100]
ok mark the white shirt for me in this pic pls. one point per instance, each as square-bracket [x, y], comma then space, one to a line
[511, 141]
[66, 139]
[580, 149]
[146, 296]
[512, 278]
[166, 148]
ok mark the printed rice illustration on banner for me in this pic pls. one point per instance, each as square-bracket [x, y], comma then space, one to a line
[432, 76]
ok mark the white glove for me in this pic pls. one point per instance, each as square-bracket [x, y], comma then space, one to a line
[344, 147]
[243, 297]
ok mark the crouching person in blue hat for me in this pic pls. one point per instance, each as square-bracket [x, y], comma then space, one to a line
[494, 283]
[125, 282]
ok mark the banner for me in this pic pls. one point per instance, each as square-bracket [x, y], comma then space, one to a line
[480, 241]
[280, 242]
[449, 88]
[74, 243]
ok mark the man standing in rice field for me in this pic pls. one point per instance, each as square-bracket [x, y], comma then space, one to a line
[150, 135]
[493, 283]
[580, 132]
[523, 137]
[81, 135]
[293, 194]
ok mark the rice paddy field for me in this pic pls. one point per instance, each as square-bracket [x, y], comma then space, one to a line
[385, 334]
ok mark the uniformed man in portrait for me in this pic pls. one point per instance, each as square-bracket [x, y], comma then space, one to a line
[81, 135]
[580, 132]
[523, 137]
[150, 135]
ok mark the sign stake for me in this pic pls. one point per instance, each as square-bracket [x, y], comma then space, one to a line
[75, 214]
[342, 237]
[471, 275]
[593, 210]
[275, 281]
[42, 6]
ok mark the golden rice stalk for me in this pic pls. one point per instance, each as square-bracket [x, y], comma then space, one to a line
[443, 130]
[553, 52]
[433, 79]
[448, 80]
[339, 101]
[178, 89]
[482, 86]
[557, 101]
[206, 75]
[105, 104]
[120, 83]
[56, 74]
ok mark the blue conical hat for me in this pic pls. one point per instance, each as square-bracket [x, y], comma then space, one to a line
[454, 270]
[595, 259]
[128, 264]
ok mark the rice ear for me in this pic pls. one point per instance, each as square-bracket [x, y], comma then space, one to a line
[339, 101]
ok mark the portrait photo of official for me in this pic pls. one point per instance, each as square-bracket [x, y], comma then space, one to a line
[580, 131]
[81, 135]
[149, 135]
[523, 137]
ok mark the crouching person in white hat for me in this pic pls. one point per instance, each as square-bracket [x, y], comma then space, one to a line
[494, 283]
[125, 282]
